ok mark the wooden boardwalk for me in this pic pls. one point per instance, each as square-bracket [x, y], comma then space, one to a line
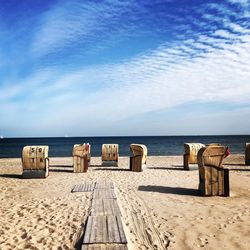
[104, 230]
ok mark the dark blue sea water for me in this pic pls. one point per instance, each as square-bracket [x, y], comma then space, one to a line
[157, 145]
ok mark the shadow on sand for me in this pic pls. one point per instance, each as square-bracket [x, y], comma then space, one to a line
[61, 166]
[230, 166]
[111, 169]
[174, 167]
[15, 176]
[239, 169]
[235, 164]
[178, 168]
[79, 238]
[61, 170]
[170, 190]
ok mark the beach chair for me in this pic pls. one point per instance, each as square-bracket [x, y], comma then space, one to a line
[247, 154]
[110, 154]
[81, 157]
[190, 155]
[213, 178]
[35, 162]
[138, 158]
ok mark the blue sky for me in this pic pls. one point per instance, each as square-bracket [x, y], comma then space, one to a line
[92, 68]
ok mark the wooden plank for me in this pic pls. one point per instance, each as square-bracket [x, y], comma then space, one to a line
[104, 247]
[96, 208]
[121, 231]
[104, 229]
[104, 194]
[100, 236]
[88, 230]
[93, 237]
[97, 234]
[104, 207]
[115, 230]
[111, 229]
[111, 207]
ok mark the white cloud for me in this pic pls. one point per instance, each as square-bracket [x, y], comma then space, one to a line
[145, 84]
[77, 22]
[211, 66]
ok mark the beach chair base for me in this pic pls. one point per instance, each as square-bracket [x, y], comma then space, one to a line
[34, 174]
[186, 161]
[247, 154]
[214, 181]
[81, 164]
[110, 163]
[247, 162]
[136, 163]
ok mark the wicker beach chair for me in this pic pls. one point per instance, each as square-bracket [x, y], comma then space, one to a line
[81, 157]
[110, 154]
[35, 162]
[138, 158]
[247, 154]
[190, 155]
[213, 178]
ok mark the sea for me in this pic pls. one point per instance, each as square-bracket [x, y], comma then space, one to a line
[157, 145]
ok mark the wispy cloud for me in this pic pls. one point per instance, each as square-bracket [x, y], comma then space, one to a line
[207, 62]
[77, 22]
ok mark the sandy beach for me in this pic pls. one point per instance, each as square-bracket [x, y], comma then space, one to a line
[161, 207]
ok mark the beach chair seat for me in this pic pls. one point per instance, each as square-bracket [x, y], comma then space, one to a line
[110, 154]
[190, 155]
[139, 157]
[35, 162]
[81, 158]
[213, 178]
[247, 154]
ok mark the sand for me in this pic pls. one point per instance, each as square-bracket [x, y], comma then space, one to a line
[161, 207]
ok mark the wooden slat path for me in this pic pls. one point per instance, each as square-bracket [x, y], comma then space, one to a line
[104, 194]
[104, 207]
[85, 187]
[104, 230]
[105, 247]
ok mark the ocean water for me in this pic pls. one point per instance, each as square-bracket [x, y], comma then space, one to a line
[157, 145]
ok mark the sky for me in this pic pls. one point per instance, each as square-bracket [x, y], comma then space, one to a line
[110, 68]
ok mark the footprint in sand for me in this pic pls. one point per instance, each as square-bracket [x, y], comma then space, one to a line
[24, 235]
[203, 242]
[20, 214]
